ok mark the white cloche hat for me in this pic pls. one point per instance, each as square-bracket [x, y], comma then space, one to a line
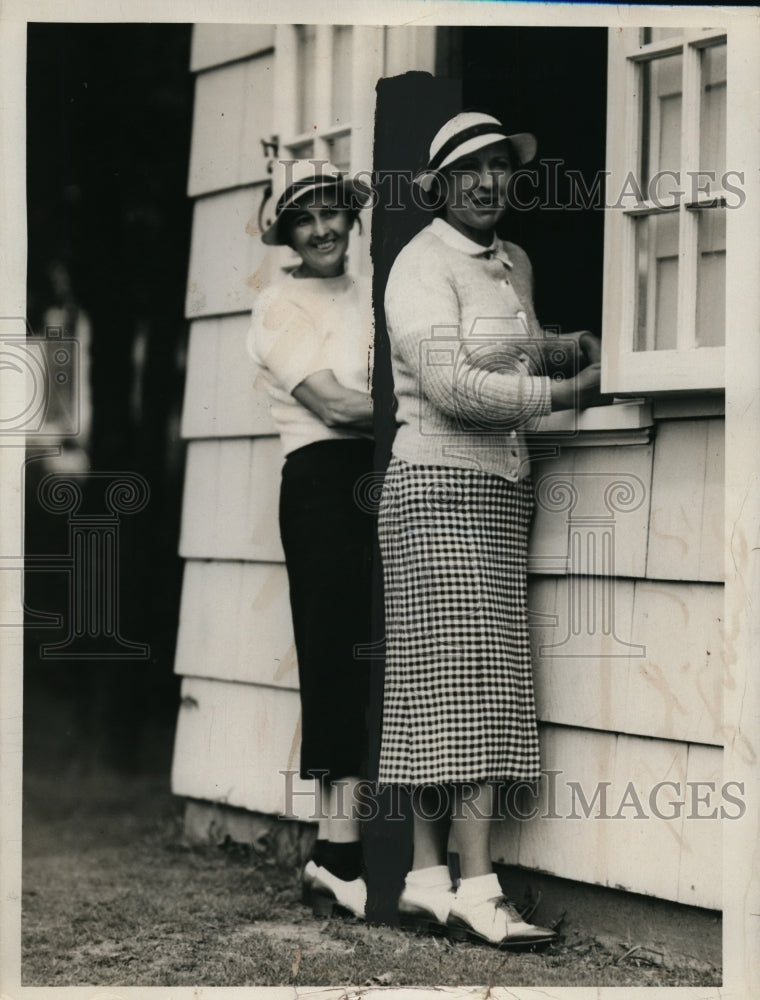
[465, 133]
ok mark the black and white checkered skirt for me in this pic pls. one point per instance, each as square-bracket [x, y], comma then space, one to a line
[458, 702]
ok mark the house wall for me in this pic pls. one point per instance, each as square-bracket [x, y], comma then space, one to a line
[626, 587]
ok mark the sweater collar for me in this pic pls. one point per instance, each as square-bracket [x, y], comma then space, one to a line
[458, 241]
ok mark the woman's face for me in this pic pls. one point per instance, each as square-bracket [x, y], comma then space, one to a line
[318, 232]
[476, 191]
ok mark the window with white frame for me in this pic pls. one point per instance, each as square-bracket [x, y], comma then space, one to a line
[323, 71]
[667, 195]
[325, 100]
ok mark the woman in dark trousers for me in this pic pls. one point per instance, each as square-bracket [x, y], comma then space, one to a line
[466, 350]
[311, 334]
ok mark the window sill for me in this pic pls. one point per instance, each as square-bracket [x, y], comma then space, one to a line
[626, 421]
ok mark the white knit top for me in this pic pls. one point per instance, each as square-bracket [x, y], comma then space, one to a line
[300, 326]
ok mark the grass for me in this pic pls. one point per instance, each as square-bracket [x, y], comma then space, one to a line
[114, 896]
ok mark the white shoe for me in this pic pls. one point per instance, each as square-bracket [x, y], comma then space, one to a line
[328, 893]
[426, 898]
[492, 918]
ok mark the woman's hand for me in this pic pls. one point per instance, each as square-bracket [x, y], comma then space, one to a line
[579, 392]
[559, 357]
[334, 403]
[591, 346]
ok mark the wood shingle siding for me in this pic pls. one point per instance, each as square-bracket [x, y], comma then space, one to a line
[686, 534]
[224, 394]
[235, 624]
[674, 859]
[224, 253]
[667, 684]
[590, 473]
[232, 742]
[232, 117]
[231, 498]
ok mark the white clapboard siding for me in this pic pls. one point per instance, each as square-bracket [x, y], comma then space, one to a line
[225, 393]
[677, 687]
[629, 848]
[703, 825]
[582, 676]
[214, 44]
[712, 534]
[232, 742]
[648, 848]
[230, 120]
[235, 624]
[225, 253]
[552, 842]
[614, 488]
[610, 490]
[207, 618]
[230, 500]
[657, 671]
[548, 549]
[686, 522]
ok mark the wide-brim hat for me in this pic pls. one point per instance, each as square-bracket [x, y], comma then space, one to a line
[294, 180]
[465, 133]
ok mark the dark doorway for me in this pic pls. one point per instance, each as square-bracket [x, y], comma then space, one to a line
[551, 82]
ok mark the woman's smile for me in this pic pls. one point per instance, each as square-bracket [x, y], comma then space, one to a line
[324, 246]
[319, 235]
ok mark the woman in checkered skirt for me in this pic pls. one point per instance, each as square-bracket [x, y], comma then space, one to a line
[466, 351]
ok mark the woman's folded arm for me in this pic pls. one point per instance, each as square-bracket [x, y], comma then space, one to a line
[335, 404]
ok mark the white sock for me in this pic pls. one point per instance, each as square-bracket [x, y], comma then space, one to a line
[436, 875]
[479, 887]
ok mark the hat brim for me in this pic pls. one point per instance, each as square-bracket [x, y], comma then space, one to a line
[523, 142]
[356, 191]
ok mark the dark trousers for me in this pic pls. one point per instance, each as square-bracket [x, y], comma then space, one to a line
[328, 540]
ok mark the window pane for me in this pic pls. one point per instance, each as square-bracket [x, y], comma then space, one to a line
[306, 63]
[661, 124]
[712, 129]
[341, 74]
[656, 281]
[340, 151]
[711, 278]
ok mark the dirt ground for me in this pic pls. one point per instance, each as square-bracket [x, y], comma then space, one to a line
[113, 895]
